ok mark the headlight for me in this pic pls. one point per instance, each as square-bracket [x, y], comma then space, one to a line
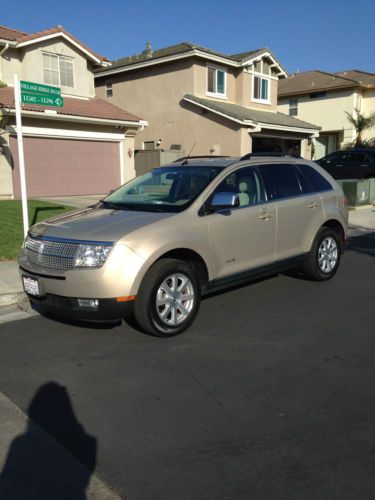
[91, 255]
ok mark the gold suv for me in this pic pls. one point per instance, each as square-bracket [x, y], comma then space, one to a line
[157, 244]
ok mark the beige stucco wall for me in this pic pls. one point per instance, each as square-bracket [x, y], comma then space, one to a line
[6, 183]
[368, 108]
[327, 112]
[155, 94]
[28, 64]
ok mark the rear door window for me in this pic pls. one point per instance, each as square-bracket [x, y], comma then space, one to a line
[316, 181]
[359, 158]
[282, 180]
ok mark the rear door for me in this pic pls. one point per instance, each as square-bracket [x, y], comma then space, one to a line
[299, 212]
[357, 165]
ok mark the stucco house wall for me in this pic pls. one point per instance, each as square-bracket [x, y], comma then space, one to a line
[28, 64]
[328, 112]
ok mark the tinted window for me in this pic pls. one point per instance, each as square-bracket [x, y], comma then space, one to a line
[283, 180]
[316, 181]
[359, 158]
[336, 157]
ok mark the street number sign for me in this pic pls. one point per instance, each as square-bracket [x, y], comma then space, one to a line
[43, 95]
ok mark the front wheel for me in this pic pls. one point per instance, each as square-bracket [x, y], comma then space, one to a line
[324, 257]
[168, 298]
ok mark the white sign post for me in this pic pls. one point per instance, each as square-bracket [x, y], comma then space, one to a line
[21, 158]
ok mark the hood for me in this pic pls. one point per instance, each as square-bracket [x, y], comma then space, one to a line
[97, 224]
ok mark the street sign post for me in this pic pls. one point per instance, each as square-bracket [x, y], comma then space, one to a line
[41, 95]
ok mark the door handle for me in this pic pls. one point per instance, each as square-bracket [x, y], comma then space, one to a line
[264, 215]
[313, 205]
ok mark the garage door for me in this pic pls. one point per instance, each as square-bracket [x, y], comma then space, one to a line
[61, 167]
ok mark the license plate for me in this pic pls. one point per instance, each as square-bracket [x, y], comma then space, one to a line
[31, 285]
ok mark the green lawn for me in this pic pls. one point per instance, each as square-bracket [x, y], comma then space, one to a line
[11, 226]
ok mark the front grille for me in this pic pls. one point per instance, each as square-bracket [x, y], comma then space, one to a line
[51, 254]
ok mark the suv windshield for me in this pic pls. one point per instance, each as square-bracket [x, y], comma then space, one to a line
[165, 189]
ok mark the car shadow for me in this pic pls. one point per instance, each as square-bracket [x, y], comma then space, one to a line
[363, 244]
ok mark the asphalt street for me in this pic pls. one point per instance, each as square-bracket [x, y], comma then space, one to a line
[270, 394]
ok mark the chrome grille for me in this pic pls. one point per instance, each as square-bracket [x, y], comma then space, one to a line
[51, 254]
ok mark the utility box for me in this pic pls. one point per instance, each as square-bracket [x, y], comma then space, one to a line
[358, 192]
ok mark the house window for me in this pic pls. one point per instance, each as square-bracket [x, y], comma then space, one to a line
[216, 81]
[261, 89]
[108, 89]
[58, 70]
[293, 107]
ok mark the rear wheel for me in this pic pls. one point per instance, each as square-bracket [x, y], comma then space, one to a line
[324, 257]
[168, 298]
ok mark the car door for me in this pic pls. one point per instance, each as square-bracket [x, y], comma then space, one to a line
[335, 164]
[357, 165]
[242, 238]
[299, 212]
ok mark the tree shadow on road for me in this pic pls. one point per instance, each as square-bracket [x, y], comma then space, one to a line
[37, 466]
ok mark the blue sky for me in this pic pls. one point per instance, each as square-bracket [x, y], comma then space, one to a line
[330, 35]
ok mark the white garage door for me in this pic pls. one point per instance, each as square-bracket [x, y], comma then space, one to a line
[62, 167]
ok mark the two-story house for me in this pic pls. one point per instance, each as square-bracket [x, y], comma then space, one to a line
[199, 100]
[323, 98]
[84, 147]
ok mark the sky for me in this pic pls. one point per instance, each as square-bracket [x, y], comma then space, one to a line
[330, 35]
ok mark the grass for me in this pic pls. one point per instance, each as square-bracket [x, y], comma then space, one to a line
[11, 225]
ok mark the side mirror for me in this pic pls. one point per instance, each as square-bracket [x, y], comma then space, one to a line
[222, 201]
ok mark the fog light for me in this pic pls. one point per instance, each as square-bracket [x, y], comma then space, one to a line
[88, 303]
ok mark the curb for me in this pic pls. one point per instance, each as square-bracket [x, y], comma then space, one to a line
[8, 299]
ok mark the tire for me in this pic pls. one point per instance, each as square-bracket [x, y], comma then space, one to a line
[168, 298]
[325, 254]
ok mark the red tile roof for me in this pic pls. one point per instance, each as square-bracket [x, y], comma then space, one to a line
[21, 37]
[10, 34]
[87, 108]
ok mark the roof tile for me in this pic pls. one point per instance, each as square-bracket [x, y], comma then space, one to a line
[87, 108]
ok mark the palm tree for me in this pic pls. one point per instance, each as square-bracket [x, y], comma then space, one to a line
[360, 123]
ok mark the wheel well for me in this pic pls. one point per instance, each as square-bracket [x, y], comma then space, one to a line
[334, 224]
[192, 258]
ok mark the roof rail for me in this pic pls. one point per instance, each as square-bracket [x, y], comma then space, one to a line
[209, 157]
[274, 154]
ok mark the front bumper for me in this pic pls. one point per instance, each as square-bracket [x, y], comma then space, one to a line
[68, 307]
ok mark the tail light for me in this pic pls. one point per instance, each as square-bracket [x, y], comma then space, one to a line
[346, 203]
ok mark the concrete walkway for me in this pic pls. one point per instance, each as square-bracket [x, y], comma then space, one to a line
[11, 290]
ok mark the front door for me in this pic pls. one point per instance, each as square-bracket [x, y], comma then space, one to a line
[242, 238]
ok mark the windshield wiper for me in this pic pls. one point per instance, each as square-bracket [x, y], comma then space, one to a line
[118, 205]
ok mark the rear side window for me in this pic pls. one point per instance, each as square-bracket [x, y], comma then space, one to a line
[316, 181]
[282, 180]
[359, 158]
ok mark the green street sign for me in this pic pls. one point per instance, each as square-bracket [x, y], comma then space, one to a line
[39, 88]
[42, 99]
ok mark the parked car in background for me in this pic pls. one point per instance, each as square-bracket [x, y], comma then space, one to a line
[157, 244]
[350, 164]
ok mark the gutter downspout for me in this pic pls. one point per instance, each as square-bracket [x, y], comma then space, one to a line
[1, 57]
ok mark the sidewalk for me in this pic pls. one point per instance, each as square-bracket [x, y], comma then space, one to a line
[11, 290]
